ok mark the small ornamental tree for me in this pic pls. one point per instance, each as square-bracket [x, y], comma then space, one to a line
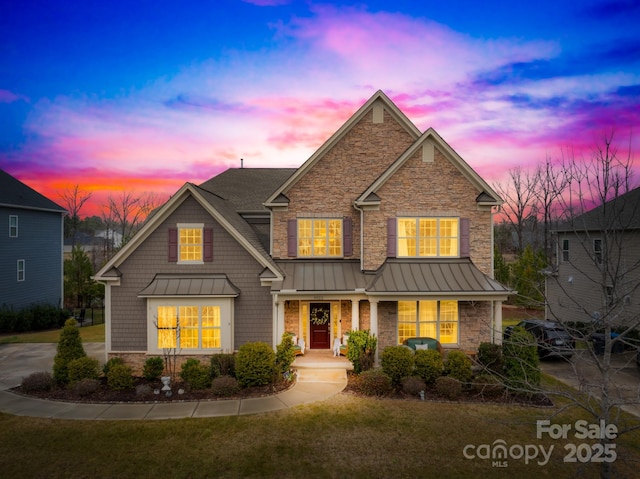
[521, 367]
[285, 354]
[361, 350]
[69, 348]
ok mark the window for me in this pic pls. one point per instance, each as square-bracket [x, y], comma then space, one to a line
[597, 251]
[21, 273]
[320, 237]
[189, 327]
[433, 319]
[565, 250]
[13, 226]
[428, 237]
[190, 243]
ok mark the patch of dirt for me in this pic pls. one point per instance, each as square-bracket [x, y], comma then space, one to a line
[106, 395]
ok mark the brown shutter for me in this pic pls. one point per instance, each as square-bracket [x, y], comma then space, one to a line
[392, 237]
[207, 244]
[292, 238]
[465, 250]
[173, 245]
[347, 235]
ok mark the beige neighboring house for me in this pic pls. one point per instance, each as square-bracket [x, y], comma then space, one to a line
[597, 270]
[384, 228]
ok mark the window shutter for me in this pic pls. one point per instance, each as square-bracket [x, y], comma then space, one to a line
[292, 238]
[173, 245]
[207, 244]
[347, 235]
[465, 250]
[392, 237]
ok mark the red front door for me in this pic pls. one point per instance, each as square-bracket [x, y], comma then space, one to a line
[320, 322]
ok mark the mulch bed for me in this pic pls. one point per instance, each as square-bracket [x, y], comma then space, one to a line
[106, 395]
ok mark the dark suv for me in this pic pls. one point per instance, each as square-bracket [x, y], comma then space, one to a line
[552, 338]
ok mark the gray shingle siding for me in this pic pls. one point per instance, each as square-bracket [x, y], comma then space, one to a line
[39, 243]
[252, 308]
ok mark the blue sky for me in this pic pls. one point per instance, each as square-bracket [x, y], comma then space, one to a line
[145, 95]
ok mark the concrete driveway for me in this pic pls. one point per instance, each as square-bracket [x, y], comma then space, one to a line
[582, 373]
[21, 359]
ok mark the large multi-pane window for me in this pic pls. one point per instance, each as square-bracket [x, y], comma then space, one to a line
[433, 319]
[189, 243]
[189, 327]
[320, 237]
[428, 237]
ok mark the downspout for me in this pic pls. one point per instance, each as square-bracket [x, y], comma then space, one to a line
[361, 235]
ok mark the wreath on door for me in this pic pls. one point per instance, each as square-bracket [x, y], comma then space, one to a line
[319, 316]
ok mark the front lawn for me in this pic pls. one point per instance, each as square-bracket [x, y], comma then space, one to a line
[345, 436]
[89, 334]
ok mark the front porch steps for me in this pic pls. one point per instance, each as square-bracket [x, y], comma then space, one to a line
[324, 375]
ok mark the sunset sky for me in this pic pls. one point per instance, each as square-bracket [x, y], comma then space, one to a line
[144, 95]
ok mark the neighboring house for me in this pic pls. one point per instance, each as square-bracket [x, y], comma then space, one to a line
[98, 247]
[383, 228]
[31, 264]
[597, 270]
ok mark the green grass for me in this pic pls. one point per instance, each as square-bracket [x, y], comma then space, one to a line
[89, 334]
[344, 436]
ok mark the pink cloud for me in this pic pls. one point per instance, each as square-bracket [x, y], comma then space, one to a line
[7, 96]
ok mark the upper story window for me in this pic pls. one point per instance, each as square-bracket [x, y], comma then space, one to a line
[428, 237]
[565, 250]
[21, 270]
[13, 226]
[190, 243]
[597, 250]
[320, 238]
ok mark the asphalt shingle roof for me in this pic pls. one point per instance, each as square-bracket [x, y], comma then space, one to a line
[14, 192]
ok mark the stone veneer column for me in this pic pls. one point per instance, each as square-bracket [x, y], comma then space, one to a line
[355, 314]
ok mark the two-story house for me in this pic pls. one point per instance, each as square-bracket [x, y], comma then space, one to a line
[383, 228]
[31, 264]
[597, 270]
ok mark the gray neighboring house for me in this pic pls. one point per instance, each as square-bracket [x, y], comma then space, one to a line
[597, 270]
[31, 240]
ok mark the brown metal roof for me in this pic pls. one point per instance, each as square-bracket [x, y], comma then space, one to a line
[454, 276]
[316, 276]
[191, 285]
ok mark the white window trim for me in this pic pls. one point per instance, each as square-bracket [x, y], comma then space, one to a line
[417, 322]
[21, 269]
[191, 226]
[226, 323]
[438, 237]
[12, 227]
[327, 219]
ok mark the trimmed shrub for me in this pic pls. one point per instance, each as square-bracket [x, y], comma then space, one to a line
[397, 363]
[69, 348]
[255, 364]
[412, 385]
[373, 382]
[361, 350]
[195, 375]
[429, 364]
[40, 381]
[225, 386]
[119, 377]
[153, 367]
[458, 366]
[223, 364]
[285, 354]
[85, 386]
[520, 353]
[110, 363]
[487, 385]
[490, 358]
[83, 368]
[448, 387]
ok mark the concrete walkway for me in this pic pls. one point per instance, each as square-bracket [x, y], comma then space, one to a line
[319, 378]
